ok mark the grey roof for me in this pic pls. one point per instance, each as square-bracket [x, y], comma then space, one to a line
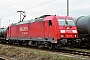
[41, 18]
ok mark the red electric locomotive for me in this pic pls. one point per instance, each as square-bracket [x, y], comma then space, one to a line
[45, 31]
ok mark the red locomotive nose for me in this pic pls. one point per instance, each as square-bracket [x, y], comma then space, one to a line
[68, 33]
[67, 28]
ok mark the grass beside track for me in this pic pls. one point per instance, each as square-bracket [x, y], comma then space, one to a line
[20, 53]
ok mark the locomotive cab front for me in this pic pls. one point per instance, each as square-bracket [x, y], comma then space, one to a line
[68, 32]
[67, 28]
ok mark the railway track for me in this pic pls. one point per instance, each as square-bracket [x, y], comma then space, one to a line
[1, 58]
[75, 52]
[4, 58]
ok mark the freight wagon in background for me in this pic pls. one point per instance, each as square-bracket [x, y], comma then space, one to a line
[45, 31]
[83, 26]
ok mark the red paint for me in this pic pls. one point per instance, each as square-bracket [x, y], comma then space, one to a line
[41, 29]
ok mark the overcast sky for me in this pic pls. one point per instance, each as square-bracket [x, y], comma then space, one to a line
[35, 8]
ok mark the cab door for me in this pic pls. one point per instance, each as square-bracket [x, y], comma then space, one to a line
[48, 28]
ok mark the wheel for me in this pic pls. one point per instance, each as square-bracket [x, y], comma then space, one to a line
[40, 45]
[51, 46]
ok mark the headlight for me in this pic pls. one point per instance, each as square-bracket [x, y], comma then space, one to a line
[74, 31]
[62, 35]
[62, 31]
[75, 35]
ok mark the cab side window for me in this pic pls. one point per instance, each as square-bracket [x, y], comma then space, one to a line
[8, 28]
[50, 23]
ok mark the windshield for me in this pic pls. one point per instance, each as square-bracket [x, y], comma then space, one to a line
[64, 22]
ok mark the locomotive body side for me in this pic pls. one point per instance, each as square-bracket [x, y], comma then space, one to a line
[33, 31]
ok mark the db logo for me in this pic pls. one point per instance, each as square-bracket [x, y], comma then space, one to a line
[23, 28]
[68, 30]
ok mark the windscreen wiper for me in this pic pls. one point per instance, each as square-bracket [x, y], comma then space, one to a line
[66, 22]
